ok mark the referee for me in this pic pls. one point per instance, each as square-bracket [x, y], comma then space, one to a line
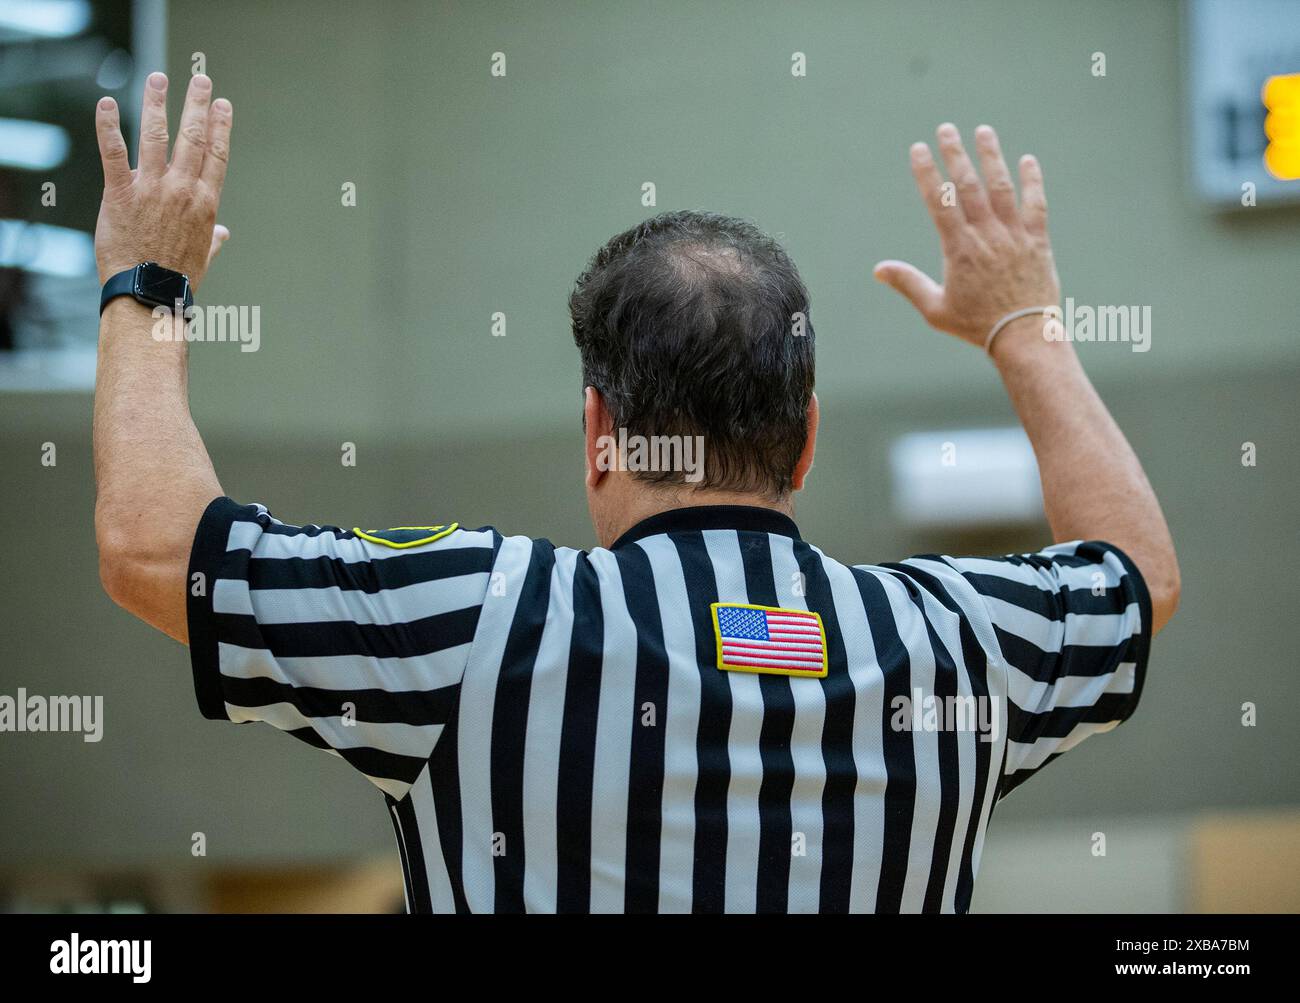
[706, 712]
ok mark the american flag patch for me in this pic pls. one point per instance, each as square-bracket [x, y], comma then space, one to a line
[785, 642]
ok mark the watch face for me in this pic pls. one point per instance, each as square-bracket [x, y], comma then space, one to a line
[161, 286]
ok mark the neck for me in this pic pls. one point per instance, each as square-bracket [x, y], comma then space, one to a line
[636, 504]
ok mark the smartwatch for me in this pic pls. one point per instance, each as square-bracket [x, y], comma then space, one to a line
[151, 284]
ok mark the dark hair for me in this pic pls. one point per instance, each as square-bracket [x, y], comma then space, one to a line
[692, 323]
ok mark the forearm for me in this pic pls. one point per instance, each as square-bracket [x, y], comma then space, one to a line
[152, 473]
[1094, 487]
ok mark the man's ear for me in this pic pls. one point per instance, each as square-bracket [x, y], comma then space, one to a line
[598, 426]
[809, 447]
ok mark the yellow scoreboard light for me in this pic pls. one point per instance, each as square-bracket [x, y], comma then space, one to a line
[1281, 96]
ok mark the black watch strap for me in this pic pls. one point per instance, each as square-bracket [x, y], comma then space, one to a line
[149, 283]
[121, 284]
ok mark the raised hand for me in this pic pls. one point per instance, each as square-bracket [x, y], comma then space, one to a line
[161, 211]
[996, 255]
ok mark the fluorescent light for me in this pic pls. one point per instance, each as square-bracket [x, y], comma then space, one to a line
[41, 370]
[43, 18]
[33, 146]
[46, 249]
[965, 478]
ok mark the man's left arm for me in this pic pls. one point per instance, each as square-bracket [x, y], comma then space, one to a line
[153, 475]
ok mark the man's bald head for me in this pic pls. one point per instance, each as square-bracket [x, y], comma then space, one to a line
[693, 323]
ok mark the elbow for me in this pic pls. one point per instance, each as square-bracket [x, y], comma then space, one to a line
[115, 559]
[141, 570]
[1166, 591]
[112, 577]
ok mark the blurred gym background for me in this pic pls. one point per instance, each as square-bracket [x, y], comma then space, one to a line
[479, 195]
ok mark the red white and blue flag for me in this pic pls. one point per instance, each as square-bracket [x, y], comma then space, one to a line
[789, 642]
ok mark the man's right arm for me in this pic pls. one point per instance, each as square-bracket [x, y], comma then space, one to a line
[998, 260]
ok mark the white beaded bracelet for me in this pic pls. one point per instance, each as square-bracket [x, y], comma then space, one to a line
[1014, 315]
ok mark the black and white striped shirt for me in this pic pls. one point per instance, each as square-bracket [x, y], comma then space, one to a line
[551, 730]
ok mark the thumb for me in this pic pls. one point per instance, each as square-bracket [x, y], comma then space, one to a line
[220, 235]
[921, 291]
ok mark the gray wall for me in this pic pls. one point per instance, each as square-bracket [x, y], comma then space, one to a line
[477, 195]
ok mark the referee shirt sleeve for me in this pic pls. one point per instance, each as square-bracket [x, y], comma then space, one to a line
[348, 645]
[1072, 624]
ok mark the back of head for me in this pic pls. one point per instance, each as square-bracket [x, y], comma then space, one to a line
[696, 324]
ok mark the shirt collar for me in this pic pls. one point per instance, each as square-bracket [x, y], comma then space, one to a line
[751, 518]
